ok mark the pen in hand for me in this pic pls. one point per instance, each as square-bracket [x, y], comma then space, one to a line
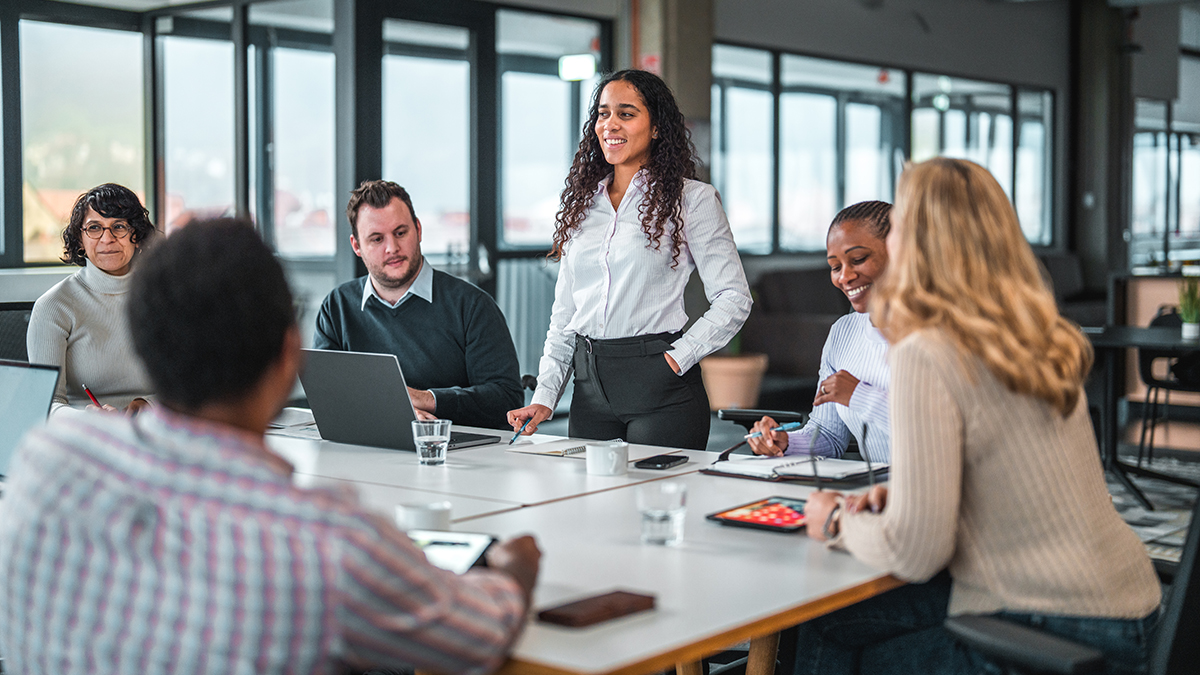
[91, 395]
[790, 426]
[521, 430]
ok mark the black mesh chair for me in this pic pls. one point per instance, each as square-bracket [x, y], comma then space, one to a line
[1174, 649]
[14, 324]
[1152, 415]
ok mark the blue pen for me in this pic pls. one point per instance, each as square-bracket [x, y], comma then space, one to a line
[790, 426]
[522, 429]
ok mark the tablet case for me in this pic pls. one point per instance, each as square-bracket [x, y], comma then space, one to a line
[597, 608]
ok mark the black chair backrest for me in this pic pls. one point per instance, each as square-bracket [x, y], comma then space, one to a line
[1176, 649]
[14, 324]
[1147, 357]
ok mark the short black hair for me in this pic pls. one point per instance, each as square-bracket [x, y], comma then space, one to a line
[874, 214]
[209, 310]
[376, 194]
[111, 201]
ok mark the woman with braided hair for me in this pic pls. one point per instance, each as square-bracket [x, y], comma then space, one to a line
[633, 225]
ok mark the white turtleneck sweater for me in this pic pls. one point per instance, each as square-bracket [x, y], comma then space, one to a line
[80, 326]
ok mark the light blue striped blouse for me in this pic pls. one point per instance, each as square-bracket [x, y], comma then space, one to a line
[856, 346]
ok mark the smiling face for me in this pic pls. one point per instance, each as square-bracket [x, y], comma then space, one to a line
[857, 258]
[389, 243]
[108, 253]
[623, 126]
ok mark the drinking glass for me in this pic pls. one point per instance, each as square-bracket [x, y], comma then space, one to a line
[431, 437]
[663, 505]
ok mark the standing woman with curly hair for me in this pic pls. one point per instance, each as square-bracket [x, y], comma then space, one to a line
[79, 325]
[633, 225]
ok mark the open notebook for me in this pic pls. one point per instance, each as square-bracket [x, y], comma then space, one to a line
[566, 447]
[793, 467]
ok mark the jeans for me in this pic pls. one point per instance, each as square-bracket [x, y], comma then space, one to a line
[901, 632]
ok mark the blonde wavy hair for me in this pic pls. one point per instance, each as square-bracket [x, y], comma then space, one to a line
[961, 265]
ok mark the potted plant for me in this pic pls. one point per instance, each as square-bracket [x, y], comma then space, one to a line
[733, 379]
[1189, 307]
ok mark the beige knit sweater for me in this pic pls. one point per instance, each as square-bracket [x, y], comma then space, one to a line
[1004, 491]
[80, 326]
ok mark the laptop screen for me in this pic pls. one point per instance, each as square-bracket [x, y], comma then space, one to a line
[26, 392]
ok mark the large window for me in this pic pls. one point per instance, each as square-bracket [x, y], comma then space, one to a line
[841, 139]
[840, 126]
[548, 69]
[295, 168]
[1165, 218]
[743, 169]
[78, 130]
[426, 130]
[231, 107]
[197, 95]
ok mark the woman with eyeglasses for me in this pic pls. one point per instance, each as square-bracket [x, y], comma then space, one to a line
[80, 325]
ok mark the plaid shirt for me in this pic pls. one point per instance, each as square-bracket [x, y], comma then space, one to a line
[166, 544]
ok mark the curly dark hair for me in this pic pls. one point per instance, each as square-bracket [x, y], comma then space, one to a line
[111, 201]
[875, 215]
[377, 194]
[208, 311]
[672, 159]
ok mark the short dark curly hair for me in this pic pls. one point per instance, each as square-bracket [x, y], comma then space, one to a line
[209, 311]
[376, 194]
[111, 201]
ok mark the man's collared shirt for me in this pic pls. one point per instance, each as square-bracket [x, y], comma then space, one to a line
[164, 544]
[422, 287]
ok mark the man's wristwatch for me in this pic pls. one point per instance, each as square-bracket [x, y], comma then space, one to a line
[830, 528]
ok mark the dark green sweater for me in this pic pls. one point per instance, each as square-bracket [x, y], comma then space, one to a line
[458, 347]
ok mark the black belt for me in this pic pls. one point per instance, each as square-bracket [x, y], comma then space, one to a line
[641, 345]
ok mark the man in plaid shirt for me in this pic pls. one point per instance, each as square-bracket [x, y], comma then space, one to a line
[175, 541]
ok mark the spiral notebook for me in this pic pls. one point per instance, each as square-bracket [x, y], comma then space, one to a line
[567, 447]
[793, 467]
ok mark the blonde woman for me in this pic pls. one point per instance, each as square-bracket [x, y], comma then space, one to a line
[995, 475]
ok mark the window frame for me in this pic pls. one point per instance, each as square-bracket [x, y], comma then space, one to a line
[477, 16]
[903, 125]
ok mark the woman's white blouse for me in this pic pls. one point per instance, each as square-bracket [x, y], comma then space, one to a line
[614, 283]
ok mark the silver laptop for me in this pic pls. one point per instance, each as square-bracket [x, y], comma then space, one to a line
[362, 399]
[26, 392]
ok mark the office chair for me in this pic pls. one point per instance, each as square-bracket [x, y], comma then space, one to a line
[748, 416]
[14, 324]
[1151, 415]
[1173, 650]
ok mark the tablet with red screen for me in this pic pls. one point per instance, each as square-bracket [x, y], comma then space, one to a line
[782, 514]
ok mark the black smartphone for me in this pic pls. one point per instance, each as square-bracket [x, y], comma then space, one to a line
[661, 462]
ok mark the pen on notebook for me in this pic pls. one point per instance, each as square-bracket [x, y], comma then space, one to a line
[91, 395]
[521, 430]
[790, 426]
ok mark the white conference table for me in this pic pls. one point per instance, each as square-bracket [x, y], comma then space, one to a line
[487, 472]
[723, 585]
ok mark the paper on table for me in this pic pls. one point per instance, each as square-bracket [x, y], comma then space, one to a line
[793, 466]
[292, 417]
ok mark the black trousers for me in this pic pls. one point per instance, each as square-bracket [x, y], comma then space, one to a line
[625, 389]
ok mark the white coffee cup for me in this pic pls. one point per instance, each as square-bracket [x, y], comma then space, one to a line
[608, 458]
[423, 516]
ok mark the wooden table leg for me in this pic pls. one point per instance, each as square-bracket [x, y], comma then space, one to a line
[690, 668]
[763, 651]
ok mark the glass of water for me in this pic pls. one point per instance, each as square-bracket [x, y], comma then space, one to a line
[663, 505]
[432, 437]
